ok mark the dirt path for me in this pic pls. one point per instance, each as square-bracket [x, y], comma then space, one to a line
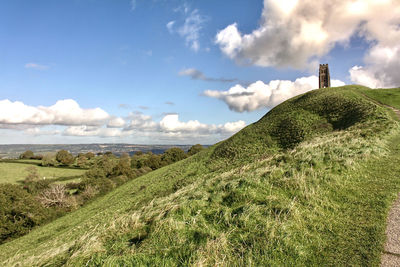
[391, 252]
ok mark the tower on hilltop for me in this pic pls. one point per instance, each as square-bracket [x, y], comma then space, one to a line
[324, 77]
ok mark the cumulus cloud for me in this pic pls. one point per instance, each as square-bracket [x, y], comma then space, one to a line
[36, 66]
[67, 118]
[296, 33]
[84, 130]
[195, 74]
[140, 122]
[260, 95]
[171, 123]
[36, 131]
[171, 126]
[190, 28]
[381, 70]
[63, 112]
[116, 122]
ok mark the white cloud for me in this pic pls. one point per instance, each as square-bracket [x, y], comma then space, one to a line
[230, 40]
[36, 131]
[260, 95]
[363, 76]
[140, 122]
[36, 66]
[190, 29]
[381, 70]
[67, 118]
[195, 74]
[116, 122]
[63, 112]
[84, 130]
[170, 26]
[171, 124]
[296, 33]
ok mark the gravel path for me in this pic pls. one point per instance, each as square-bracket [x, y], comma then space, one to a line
[391, 251]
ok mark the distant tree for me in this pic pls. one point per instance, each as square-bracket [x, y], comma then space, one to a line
[95, 173]
[102, 168]
[48, 160]
[153, 161]
[125, 155]
[123, 167]
[138, 153]
[82, 160]
[172, 155]
[64, 157]
[89, 155]
[137, 161]
[195, 149]
[108, 153]
[27, 155]
[37, 157]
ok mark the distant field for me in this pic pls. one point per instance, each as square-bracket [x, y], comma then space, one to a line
[16, 172]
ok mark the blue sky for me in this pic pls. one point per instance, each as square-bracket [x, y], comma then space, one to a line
[168, 71]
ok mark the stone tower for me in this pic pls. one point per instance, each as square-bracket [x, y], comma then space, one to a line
[324, 77]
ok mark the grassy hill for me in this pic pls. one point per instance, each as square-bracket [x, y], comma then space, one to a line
[310, 183]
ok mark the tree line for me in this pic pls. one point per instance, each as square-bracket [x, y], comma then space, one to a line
[38, 201]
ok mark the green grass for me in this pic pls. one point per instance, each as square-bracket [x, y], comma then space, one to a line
[389, 97]
[317, 195]
[15, 173]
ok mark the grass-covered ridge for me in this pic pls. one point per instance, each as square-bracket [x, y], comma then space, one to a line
[301, 118]
[308, 184]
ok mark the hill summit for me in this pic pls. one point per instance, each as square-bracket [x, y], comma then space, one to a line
[310, 183]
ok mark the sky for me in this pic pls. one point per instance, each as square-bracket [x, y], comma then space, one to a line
[176, 71]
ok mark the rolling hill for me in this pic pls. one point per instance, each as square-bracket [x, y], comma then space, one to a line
[310, 183]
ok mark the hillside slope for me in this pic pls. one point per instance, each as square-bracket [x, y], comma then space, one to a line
[310, 183]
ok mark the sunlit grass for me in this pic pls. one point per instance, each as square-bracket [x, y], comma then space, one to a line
[245, 202]
[16, 172]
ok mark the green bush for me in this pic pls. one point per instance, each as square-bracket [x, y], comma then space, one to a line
[123, 167]
[48, 160]
[27, 155]
[172, 155]
[103, 167]
[64, 157]
[154, 162]
[19, 212]
[102, 185]
[195, 149]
